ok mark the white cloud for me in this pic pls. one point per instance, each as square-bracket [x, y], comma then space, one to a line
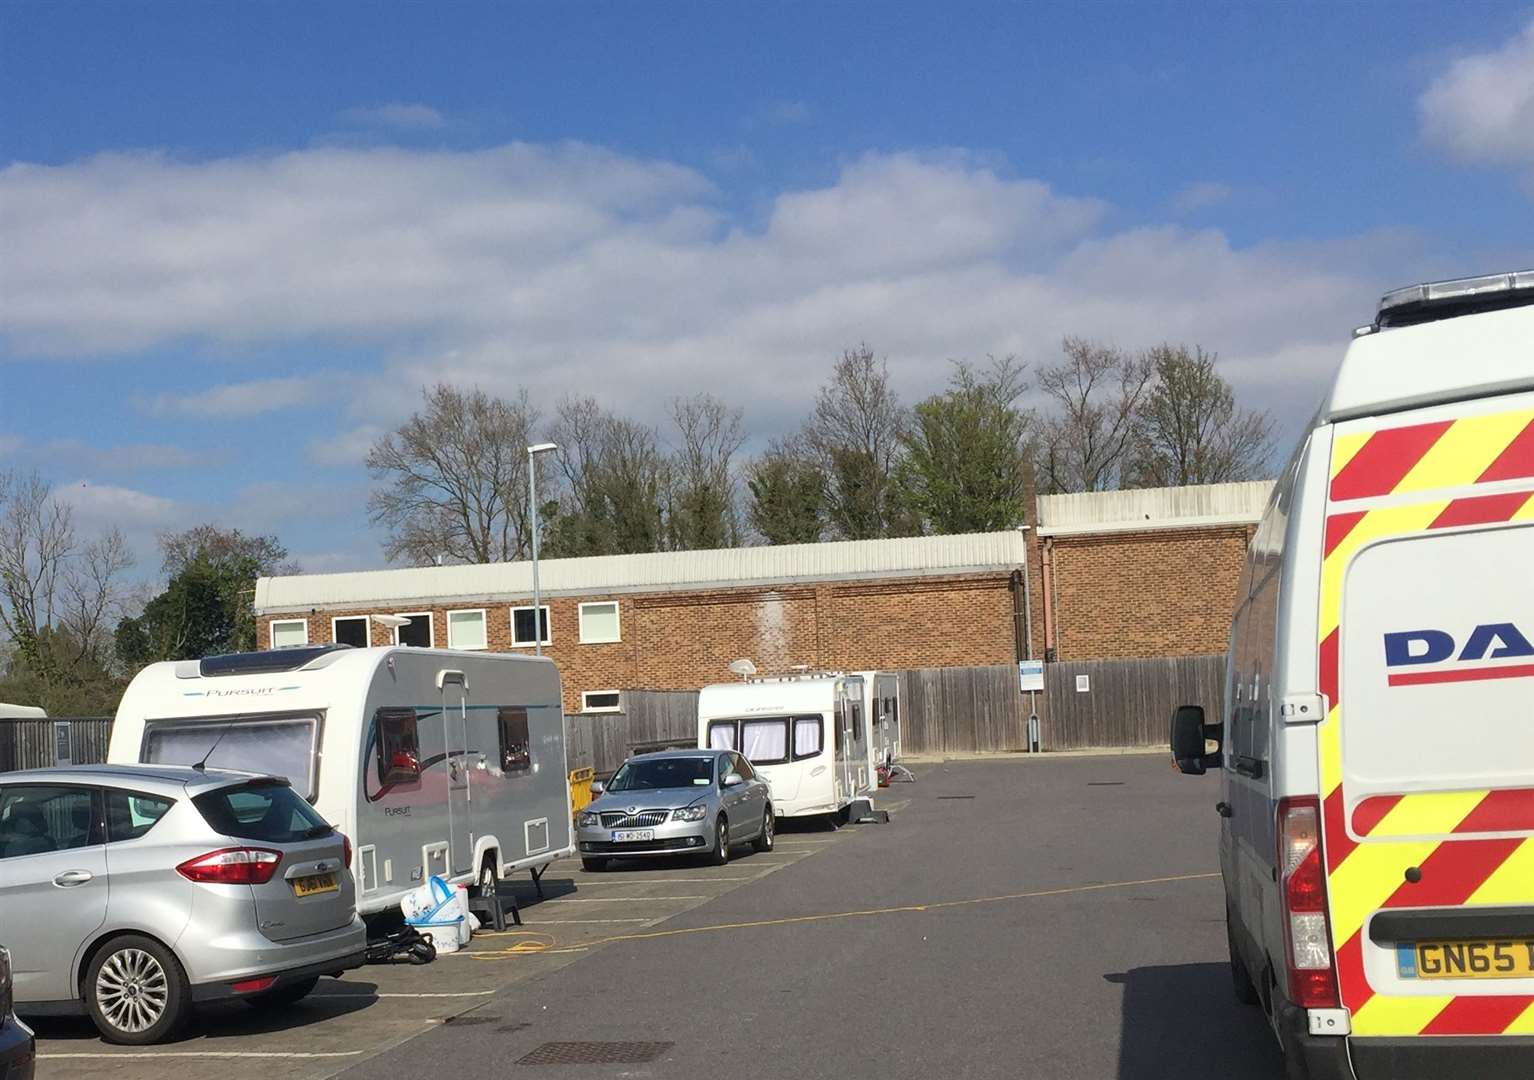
[250, 398]
[570, 268]
[1481, 109]
[400, 116]
[1200, 195]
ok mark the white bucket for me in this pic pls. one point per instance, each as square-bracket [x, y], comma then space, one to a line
[446, 937]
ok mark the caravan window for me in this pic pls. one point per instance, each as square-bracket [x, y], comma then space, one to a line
[764, 742]
[281, 746]
[399, 747]
[516, 745]
[721, 735]
[807, 737]
[857, 722]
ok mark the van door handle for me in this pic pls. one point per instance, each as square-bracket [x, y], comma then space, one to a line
[1224, 809]
[70, 878]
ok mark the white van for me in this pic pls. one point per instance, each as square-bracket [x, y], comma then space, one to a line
[807, 735]
[1376, 751]
[432, 761]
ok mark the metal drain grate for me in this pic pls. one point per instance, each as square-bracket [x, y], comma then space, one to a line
[595, 1053]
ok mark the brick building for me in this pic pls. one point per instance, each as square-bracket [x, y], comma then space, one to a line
[1108, 575]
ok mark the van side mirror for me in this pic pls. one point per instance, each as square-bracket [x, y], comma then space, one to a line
[1190, 738]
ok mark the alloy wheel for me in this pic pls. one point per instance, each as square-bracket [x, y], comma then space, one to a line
[132, 990]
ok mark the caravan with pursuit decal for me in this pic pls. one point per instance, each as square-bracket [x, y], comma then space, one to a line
[1376, 746]
[432, 761]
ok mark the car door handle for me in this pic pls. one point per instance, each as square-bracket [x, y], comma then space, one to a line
[70, 878]
[1224, 809]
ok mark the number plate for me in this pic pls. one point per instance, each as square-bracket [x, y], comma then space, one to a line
[315, 883]
[1508, 959]
[629, 836]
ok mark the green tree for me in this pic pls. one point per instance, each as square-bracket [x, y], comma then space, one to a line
[1191, 431]
[205, 608]
[788, 495]
[967, 453]
[700, 497]
[855, 435]
[613, 476]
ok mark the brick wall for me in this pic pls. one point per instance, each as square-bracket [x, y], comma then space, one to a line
[681, 641]
[1164, 593]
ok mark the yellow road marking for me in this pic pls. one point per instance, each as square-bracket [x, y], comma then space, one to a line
[936, 905]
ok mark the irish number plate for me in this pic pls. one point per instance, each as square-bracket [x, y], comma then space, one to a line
[630, 836]
[315, 883]
[1509, 959]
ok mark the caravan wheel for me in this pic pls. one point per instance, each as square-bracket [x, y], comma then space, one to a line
[489, 879]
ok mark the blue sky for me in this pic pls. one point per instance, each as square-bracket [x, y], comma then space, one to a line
[239, 238]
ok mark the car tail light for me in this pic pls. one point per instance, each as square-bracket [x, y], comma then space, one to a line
[232, 866]
[5, 983]
[1302, 875]
[346, 850]
[251, 986]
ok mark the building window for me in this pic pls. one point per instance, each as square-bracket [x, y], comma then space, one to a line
[516, 744]
[417, 632]
[350, 630]
[466, 629]
[286, 632]
[601, 701]
[599, 623]
[522, 626]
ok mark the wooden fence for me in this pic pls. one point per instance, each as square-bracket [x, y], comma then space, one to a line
[1125, 702]
[962, 710]
[650, 720]
[35, 744]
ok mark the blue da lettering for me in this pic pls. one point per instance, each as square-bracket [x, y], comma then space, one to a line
[1507, 638]
[1418, 647]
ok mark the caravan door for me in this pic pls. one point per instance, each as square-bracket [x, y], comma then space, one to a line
[846, 748]
[455, 744]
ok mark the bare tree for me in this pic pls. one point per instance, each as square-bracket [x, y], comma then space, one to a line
[93, 599]
[855, 435]
[701, 498]
[613, 474]
[453, 479]
[1097, 392]
[1192, 430]
[37, 541]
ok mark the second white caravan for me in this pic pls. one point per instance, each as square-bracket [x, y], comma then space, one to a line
[807, 735]
[433, 762]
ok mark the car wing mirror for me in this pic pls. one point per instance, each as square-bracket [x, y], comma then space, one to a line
[597, 787]
[733, 779]
[1191, 738]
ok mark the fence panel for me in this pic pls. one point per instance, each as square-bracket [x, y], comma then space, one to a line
[962, 710]
[33, 744]
[1125, 702]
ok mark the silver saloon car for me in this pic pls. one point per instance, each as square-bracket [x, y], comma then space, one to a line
[677, 802]
[131, 892]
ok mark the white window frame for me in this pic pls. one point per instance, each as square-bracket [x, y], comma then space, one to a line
[484, 628]
[587, 708]
[547, 621]
[581, 621]
[271, 630]
[367, 622]
[431, 626]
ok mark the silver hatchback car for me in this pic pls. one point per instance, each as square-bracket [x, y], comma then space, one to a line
[132, 892]
[677, 802]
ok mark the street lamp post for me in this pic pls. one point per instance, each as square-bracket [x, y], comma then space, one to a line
[532, 507]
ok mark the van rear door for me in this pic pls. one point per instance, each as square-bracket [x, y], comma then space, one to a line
[1427, 753]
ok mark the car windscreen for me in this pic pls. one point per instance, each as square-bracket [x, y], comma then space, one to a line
[663, 773]
[277, 745]
[264, 811]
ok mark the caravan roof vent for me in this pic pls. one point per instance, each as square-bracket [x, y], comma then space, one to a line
[260, 663]
[1447, 299]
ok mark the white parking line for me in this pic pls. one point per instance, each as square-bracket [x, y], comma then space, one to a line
[365, 994]
[626, 880]
[619, 899]
[563, 922]
[203, 1054]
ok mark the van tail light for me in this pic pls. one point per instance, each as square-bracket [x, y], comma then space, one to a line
[1302, 875]
[232, 866]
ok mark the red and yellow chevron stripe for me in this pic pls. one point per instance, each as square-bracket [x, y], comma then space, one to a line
[1424, 469]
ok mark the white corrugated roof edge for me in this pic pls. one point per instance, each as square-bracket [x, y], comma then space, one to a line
[1194, 506]
[918, 556]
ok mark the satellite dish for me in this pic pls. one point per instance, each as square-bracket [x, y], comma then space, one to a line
[744, 668]
[395, 621]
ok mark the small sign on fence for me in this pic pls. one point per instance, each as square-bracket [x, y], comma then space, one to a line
[1083, 684]
[1030, 675]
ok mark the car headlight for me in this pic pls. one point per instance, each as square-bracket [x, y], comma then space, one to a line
[588, 820]
[688, 813]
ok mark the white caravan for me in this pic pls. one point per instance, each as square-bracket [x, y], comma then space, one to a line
[433, 762]
[1376, 749]
[807, 735]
